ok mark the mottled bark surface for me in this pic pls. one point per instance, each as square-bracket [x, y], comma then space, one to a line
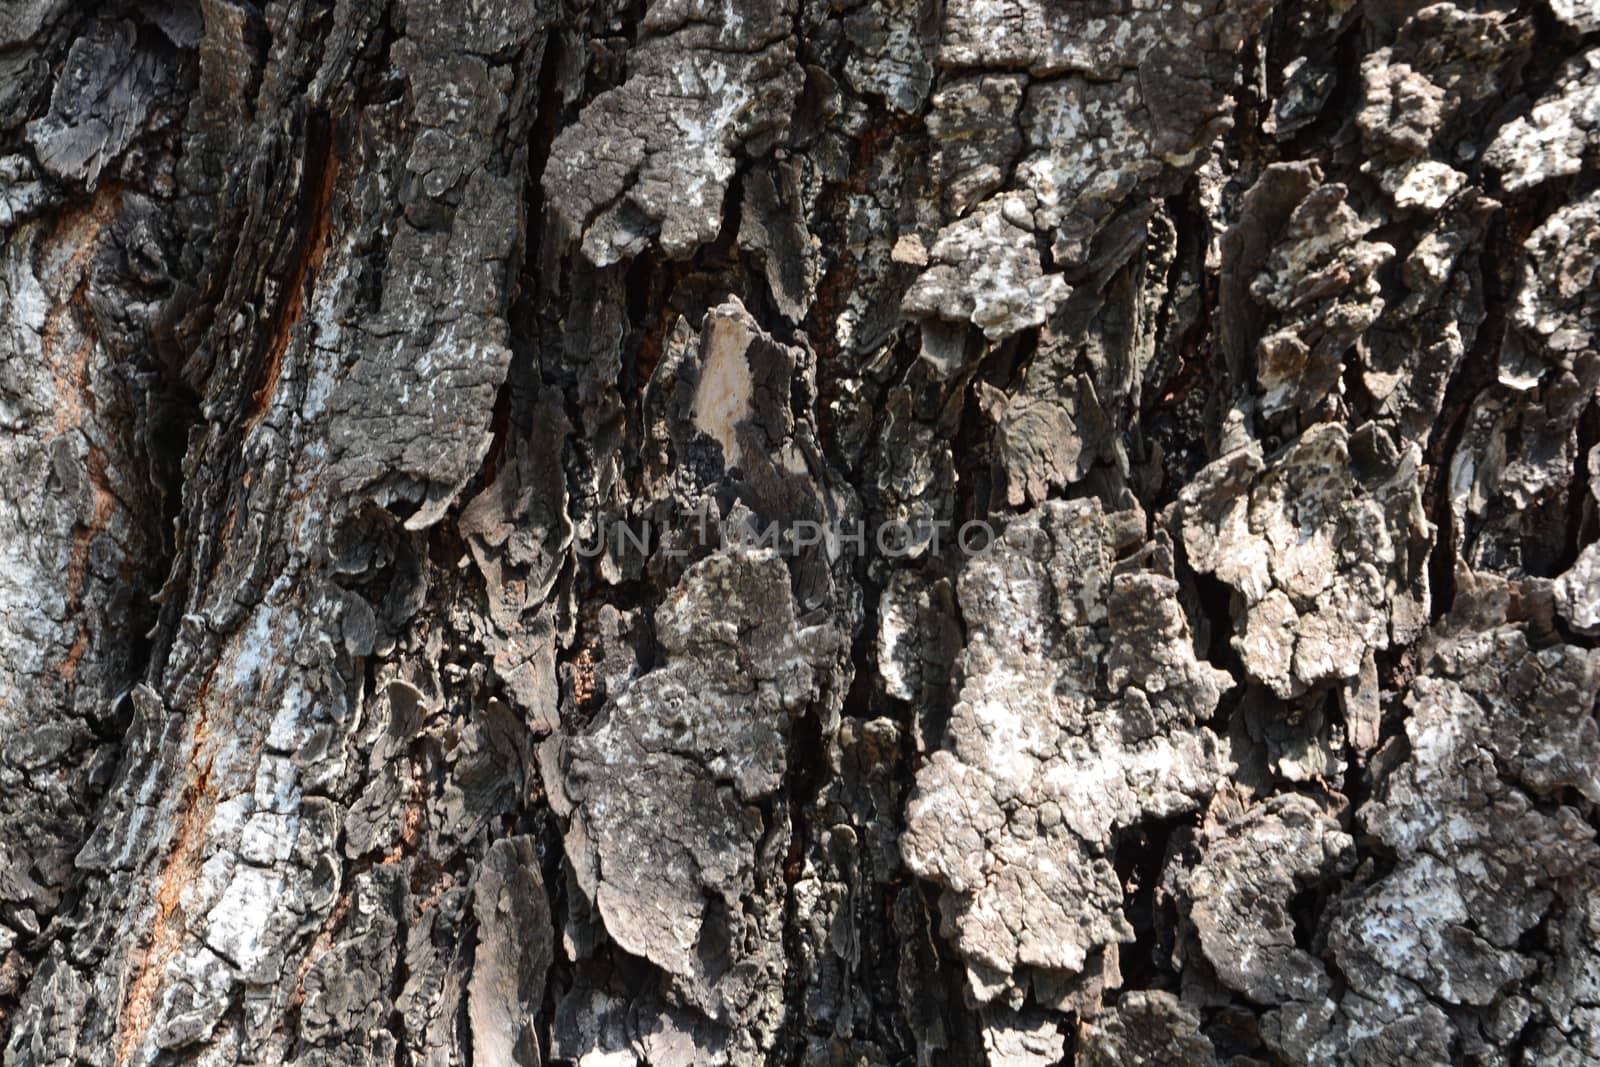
[1250, 346]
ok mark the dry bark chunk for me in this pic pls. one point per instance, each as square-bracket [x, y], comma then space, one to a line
[706, 734]
[1147, 1027]
[101, 100]
[1313, 553]
[1076, 719]
[1485, 847]
[1252, 865]
[1446, 64]
[1144, 92]
[652, 158]
[1553, 139]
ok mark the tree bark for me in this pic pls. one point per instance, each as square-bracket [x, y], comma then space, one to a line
[997, 532]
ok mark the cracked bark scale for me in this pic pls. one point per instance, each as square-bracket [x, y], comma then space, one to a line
[339, 337]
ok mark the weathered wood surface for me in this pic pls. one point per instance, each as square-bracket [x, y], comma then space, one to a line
[339, 726]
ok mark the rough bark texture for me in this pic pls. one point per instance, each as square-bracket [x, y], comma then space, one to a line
[390, 390]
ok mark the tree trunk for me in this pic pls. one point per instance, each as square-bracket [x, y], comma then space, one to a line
[799, 532]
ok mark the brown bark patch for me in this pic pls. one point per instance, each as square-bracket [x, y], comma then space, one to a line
[311, 241]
